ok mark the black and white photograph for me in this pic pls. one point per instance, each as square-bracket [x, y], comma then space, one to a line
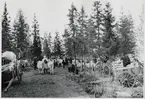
[72, 48]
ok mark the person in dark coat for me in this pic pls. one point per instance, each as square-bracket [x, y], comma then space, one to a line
[66, 61]
[35, 63]
[55, 63]
[63, 63]
[126, 60]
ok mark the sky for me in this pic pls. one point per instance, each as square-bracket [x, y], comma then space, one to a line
[52, 14]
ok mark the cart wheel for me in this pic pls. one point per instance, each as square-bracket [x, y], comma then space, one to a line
[106, 70]
[126, 79]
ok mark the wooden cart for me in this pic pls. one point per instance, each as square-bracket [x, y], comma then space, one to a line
[10, 68]
[127, 76]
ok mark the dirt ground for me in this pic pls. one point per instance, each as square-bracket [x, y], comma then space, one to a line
[65, 85]
[37, 85]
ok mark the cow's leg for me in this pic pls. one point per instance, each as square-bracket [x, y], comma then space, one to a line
[42, 70]
[52, 70]
[10, 82]
[47, 71]
[39, 71]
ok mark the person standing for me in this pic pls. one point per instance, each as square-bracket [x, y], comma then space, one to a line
[35, 63]
[63, 63]
[45, 64]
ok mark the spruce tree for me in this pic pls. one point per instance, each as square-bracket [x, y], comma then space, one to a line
[67, 43]
[126, 29]
[36, 48]
[21, 34]
[58, 52]
[73, 15]
[110, 40]
[82, 32]
[97, 18]
[6, 36]
[50, 41]
[91, 37]
[46, 46]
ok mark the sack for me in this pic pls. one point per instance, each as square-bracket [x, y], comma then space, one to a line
[126, 61]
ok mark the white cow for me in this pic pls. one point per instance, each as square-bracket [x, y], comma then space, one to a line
[60, 62]
[40, 67]
[45, 66]
[91, 65]
[51, 66]
[80, 65]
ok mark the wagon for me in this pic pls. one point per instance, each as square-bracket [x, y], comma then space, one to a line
[10, 68]
[127, 76]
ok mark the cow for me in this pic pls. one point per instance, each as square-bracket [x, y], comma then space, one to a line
[80, 65]
[60, 62]
[45, 65]
[51, 66]
[74, 68]
[90, 65]
[39, 66]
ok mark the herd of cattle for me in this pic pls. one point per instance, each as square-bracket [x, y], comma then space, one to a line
[45, 65]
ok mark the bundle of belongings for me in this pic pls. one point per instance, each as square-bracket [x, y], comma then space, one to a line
[8, 61]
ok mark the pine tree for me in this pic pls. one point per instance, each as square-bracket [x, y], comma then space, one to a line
[73, 27]
[58, 52]
[82, 32]
[127, 38]
[36, 48]
[73, 20]
[110, 40]
[46, 45]
[6, 36]
[97, 18]
[91, 37]
[71, 32]
[82, 23]
[49, 41]
[21, 34]
[67, 43]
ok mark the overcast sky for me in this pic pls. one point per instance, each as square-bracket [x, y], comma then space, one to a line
[52, 14]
